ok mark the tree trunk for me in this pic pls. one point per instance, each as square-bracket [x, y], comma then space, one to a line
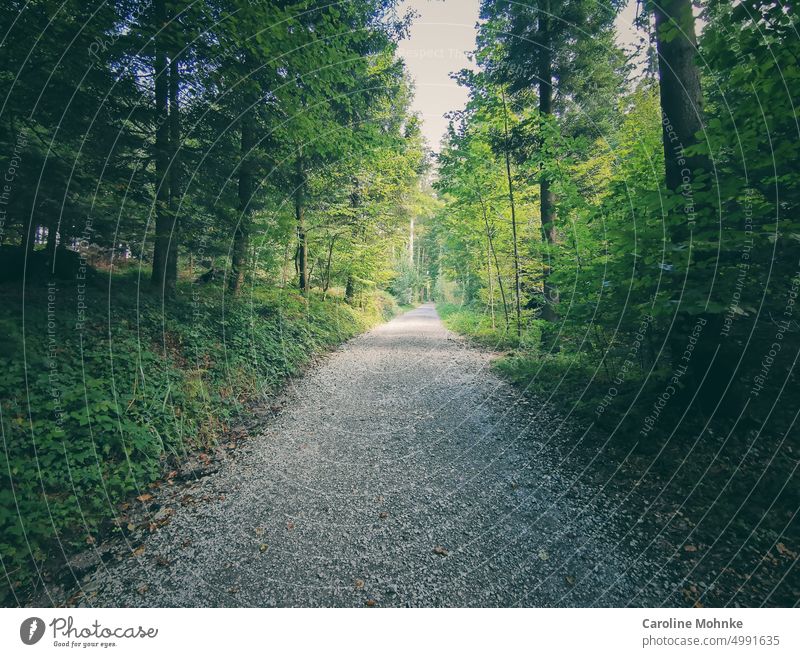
[411, 243]
[349, 289]
[327, 283]
[546, 196]
[358, 234]
[496, 262]
[163, 222]
[175, 192]
[302, 237]
[490, 278]
[681, 97]
[242, 234]
[679, 87]
[517, 288]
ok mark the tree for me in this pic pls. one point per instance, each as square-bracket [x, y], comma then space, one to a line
[530, 44]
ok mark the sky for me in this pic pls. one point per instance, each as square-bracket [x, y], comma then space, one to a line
[440, 38]
[438, 43]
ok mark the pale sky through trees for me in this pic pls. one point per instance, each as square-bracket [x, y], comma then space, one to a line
[441, 36]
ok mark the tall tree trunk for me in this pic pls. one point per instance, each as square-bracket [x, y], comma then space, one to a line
[349, 289]
[546, 196]
[679, 88]
[490, 278]
[517, 288]
[494, 255]
[411, 243]
[302, 237]
[175, 192]
[358, 232]
[242, 235]
[327, 283]
[682, 121]
[163, 222]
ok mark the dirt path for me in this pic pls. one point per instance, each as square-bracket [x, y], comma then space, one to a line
[402, 473]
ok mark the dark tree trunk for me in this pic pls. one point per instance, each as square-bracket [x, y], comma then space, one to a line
[708, 369]
[517, 288]
[302, 237]
[175, 192]
[679, 86]
[163, 226]
[349, 289]
[547, 198]
[242, 235]
[358, 236]
[328, 266]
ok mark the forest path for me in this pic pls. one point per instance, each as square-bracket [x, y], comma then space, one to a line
[402, 472]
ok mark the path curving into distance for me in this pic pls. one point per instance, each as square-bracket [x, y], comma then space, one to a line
[401, 472]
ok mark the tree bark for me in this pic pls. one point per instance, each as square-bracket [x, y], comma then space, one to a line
[358, 235]
[546, 196]
[175, 191]
[494, 255]
[679, 86]
[302, 237]
[712, 360]
[517, 287]
[241, 236]
[328, 265]
[163, 222]
[411, 243]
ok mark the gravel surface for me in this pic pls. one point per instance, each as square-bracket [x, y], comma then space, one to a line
[400, 472]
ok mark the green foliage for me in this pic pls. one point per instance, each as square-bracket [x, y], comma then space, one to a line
[102, 403]
[641, 271]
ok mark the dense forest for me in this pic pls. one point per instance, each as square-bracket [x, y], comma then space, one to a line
[199, 197]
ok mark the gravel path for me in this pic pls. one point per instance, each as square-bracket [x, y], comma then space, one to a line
[402, 472]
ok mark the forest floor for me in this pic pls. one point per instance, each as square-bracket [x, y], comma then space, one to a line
[400, 472]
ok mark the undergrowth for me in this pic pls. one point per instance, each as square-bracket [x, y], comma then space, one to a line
[104, 386]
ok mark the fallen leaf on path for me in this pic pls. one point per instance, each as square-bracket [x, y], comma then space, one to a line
[690, 548]
[786, 552]
[263, 547]
[371, 603]
[570, 580]
[139, 551]
[440, 550]
[259, 531]
[142, 589]
[543, 555]
[290, 525]
[359, 584]
[146, 497]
